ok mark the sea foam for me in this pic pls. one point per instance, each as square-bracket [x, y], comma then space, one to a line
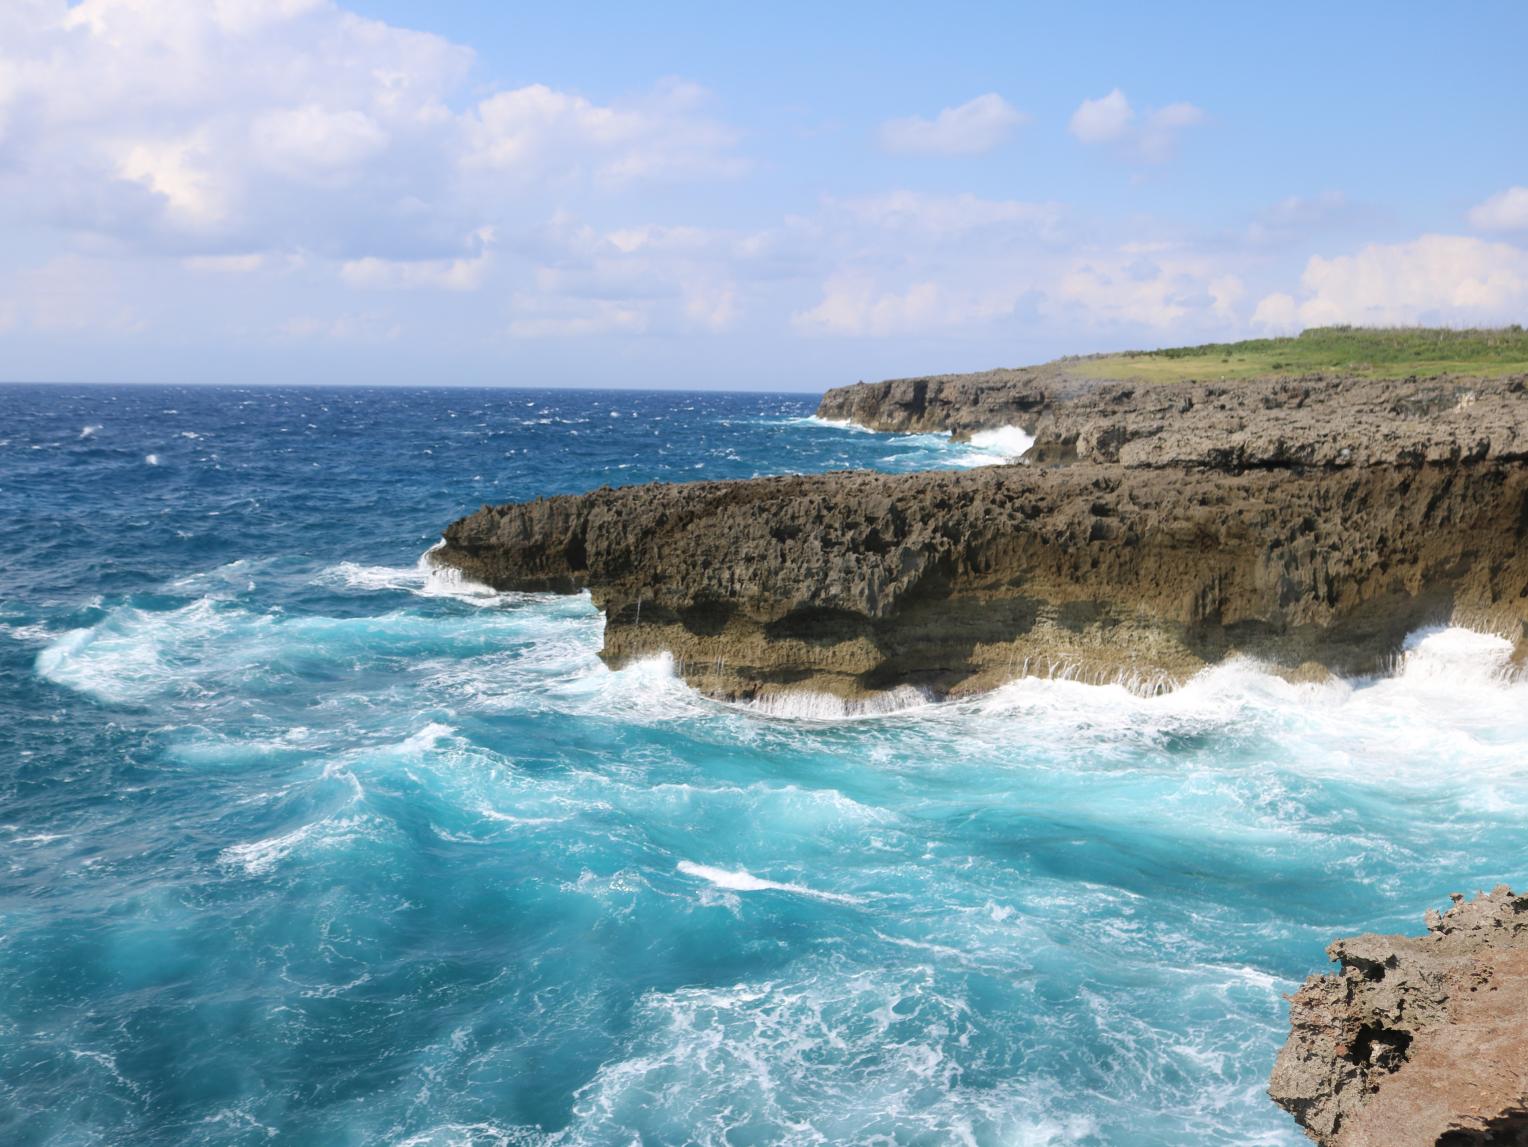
[744, 881]
[997, 446]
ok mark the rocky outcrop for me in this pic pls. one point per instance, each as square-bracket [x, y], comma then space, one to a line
[1416, 1041]
[960, 403]
[1257, 423]
[1311, 525]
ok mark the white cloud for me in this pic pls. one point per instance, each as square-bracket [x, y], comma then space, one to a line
[1148, 138]
[176, 170]
[632, 280]
[535, 132]
[977, 126]
[466, 273]
[312, 142]
[1278, 313]
[1434, 279]
[1157, 140]
[1506, 211]
[200, 127]
[1102, 120]
[372, 273]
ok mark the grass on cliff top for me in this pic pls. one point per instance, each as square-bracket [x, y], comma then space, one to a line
[1376, 352]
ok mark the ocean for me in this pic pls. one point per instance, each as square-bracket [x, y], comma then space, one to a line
[304, 843]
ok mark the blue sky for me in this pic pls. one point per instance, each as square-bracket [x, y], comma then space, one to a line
[763, 196]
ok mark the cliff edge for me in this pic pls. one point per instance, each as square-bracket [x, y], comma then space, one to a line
[1310, 521]
[1416, 1041]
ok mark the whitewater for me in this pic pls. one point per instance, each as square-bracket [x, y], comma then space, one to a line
[307, 842]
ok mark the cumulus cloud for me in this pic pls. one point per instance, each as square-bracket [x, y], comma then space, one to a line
[1103, 120]
[1506, 211]
[1151, 137]
[1436, 279]
[535, 132]
[312, 143]
[372, 273]
[975, 127]
[987, 263]
[208, 129]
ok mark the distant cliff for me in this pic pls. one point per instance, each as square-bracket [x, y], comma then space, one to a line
[1302, 421]
[960, 403]
[1311, 522]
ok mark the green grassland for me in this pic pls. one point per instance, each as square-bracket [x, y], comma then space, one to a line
[1375, 352]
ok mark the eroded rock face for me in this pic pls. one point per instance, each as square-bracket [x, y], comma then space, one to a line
[852, 583]
[1256, 423]
[1416, 1041]
[1311, 523]
[961, 403]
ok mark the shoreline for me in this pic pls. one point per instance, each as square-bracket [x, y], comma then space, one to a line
[1145, 536]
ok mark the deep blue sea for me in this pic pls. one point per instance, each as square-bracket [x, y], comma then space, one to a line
[304, 845]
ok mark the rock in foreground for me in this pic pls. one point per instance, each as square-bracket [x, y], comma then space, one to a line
[1416, 1041]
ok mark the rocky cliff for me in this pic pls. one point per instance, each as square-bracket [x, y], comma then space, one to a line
[1311, 522]
[1416, 1041]
[1303, 421]
[960, 403]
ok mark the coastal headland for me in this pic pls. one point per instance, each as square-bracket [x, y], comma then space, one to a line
[1163, 519]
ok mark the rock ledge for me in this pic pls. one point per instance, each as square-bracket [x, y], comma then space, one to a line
[1417, 1041]
[1311, 523]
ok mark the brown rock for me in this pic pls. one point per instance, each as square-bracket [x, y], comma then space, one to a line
[1310, 522]
[1416, 1041]
[853, 583]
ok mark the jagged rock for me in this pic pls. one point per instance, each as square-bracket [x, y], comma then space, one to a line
[851, 583]
[961, 403]
[1416, 1041]
[1255, 423]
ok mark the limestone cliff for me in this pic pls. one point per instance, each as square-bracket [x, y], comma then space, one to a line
[1314, 420]
[960, 403]
[1310, 522]
[1416, 1041]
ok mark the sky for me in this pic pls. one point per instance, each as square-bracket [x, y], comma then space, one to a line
[725, 196]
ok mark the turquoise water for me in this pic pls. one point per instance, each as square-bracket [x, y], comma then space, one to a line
[303, 844]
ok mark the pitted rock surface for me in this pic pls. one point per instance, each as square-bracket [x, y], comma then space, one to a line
[1416, 1041]
[1315, 420]
[853, 583]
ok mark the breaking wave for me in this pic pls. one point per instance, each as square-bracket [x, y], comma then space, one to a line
[304, 838]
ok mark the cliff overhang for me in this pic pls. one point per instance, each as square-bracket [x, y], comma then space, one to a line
[1311, 522]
